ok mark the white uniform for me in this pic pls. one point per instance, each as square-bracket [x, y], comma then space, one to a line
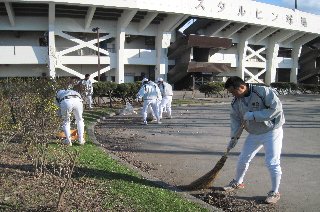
[167, 93]
[150, 93]
[265, 130]
[88, 90]
[69, 102]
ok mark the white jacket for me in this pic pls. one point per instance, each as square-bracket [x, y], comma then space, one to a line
[266, 107]
[88, 86]
[165, 89]
[64, 94]
[149, 91]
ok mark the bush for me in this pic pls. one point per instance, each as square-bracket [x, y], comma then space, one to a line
[29, 112]
[212, 88]
[126, 91]
[104, 89]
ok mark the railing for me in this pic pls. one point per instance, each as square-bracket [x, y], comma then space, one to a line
[39, 55]
[233, 58]
[129, 53]
[140, 53]
[84, 51]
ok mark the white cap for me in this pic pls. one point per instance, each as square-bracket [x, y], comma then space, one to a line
[160, 80]
[144, 80]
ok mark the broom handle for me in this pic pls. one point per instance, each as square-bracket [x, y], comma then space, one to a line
[238, 134]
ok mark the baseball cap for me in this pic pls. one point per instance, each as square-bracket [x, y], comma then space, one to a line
[144, 80]
[160, 80]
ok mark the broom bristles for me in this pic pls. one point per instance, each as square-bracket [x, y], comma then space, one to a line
[206, 180]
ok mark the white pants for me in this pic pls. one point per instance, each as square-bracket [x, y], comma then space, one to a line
[272, 143]
[75, 106]
[89, 96]
[155, 107]
[165, 105]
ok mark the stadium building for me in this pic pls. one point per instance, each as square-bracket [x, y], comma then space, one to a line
[125, 40]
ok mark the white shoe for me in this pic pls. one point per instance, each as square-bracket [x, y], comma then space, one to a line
[233, 185]
[145, 123]
[159, 122]
[82, 142]
[67, 143]
[273, 197]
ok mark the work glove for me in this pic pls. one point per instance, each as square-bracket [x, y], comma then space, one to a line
[248, 116]
[59, 112]
[232, 143]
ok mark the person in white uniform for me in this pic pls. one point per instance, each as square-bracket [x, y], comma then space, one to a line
[88, 89]
[151, 95]
[259, 109]
[167, 93]
[70, 101]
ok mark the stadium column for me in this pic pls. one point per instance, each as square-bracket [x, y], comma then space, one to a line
[242, 53]
[271, 66]
[162, 43]
[52, 57]
[295, 54]
[272, 54]
[122, 24]
[119, 74]
[165, 32]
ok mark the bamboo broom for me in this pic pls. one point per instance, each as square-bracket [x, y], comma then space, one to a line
[206, 180]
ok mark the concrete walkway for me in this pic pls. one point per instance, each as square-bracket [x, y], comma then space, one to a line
[187, 146]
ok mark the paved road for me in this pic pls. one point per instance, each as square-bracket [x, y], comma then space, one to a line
[187, 146]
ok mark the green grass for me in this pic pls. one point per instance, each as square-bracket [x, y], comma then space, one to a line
[179, 102]
[92, 115]
[125, 186]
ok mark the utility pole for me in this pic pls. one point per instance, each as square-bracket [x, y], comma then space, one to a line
[295, 4]
[96, 29]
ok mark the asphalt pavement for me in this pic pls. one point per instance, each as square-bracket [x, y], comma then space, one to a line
[187, 146]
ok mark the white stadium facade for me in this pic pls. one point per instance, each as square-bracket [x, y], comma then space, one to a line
[124, 40]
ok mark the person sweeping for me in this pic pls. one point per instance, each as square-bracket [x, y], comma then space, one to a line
[70, 101]
[261, 111]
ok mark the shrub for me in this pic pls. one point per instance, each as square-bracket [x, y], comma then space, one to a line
[212, 88]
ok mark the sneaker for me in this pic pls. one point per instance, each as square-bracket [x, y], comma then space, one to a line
[67, 143]
[273, 197]
[159, 122]
[233, 185]
[169, 117]
[82, 142]
[145, 123]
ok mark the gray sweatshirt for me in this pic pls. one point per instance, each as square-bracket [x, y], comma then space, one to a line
[266, 108]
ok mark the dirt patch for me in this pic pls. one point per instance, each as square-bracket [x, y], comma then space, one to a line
[125, 137]
[22, 190]
[115, 136]
[230, 202]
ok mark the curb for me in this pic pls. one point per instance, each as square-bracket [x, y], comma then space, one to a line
[185, 195]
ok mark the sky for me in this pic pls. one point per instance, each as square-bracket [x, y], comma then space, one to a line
[310, 6]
